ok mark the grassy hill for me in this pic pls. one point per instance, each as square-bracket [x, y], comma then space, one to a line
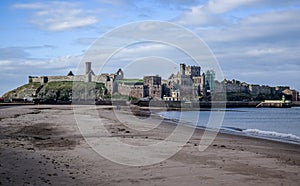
[62, 90]
[27, 90]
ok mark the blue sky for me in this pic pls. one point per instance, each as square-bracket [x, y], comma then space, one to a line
[256, 41]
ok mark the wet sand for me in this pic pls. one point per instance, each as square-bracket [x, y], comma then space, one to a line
[42, 145]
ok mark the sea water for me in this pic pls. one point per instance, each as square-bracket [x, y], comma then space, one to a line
[281, 124]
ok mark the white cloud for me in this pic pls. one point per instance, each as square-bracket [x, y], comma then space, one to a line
[223, 13]
[28, 5]
[40, 66]
[265, 51]
[58, 16]
[147, 66]
[210, 14]
[276, 26]
[21, 52]
[199, 15]
[221, 6]
[113, 2]
[5, 63]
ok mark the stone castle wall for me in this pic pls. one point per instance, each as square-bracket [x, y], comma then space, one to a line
[155, 91]
[136, 91]
[47, 79]
[254, 90]
[193, 71]
[257, 89]
[236, 88]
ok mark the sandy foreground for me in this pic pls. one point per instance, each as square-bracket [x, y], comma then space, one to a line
[42, 145]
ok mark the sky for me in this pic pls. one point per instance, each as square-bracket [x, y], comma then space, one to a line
[254, 41]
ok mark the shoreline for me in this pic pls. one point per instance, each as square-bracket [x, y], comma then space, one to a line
[226, 130]
[42, 145]
[239, 132]
[234, 132]
[165, 104]
[156, 110]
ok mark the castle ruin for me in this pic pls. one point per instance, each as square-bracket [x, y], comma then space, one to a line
[187, 84]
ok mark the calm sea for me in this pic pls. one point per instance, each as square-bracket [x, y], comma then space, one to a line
[281, 124]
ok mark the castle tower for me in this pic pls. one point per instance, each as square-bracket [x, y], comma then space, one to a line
[120, 74]
[88, 67]
[88, 71]
[182, 69]
[195, 71]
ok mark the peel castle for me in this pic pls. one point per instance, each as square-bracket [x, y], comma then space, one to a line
[187, 84]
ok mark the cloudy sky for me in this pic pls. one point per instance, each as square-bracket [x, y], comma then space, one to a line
[256, 41]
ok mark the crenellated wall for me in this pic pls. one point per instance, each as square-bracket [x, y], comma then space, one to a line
[47, 79]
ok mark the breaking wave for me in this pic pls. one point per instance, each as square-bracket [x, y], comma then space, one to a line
[272, 134]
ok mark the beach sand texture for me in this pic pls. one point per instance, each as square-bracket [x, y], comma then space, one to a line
[42, 145]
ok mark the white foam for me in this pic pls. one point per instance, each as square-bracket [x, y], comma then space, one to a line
[272, 134]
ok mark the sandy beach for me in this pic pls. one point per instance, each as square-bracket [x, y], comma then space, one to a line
[42, 145]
